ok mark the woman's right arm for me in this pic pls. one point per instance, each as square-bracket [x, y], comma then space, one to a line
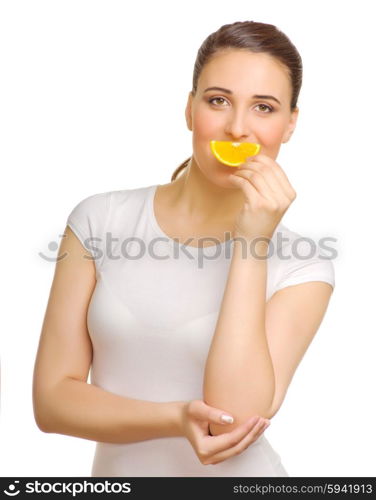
[76, 408]
[63, 401]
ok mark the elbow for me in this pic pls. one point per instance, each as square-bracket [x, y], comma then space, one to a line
[216, 429]
[42, 422]
[274, 407]
[242, 410]
[43, 427]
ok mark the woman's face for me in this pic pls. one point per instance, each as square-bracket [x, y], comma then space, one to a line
[237, 114]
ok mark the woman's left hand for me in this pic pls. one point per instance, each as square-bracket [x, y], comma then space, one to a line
[268, 194]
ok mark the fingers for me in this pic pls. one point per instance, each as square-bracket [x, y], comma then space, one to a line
[199, 409]
[228, 440]
[249, 438]
[261, 163]
[244, 183]
[259, 182]
[268, 173]
[214, 449]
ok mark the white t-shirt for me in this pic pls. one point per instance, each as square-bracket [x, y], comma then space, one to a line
[152, 316]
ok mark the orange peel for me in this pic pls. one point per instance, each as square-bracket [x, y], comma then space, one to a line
[233, 154]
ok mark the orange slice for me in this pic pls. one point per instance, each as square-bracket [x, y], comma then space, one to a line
[233, 154]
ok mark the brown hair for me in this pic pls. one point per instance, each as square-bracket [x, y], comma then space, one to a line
[256, 37]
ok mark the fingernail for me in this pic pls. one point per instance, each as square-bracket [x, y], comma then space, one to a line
[227, 419]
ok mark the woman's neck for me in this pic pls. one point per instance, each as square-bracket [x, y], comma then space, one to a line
[195, 197]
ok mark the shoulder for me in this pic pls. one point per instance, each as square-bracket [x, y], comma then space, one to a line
[92, 202]
[91, 215]
[99, 204]
[89, 210]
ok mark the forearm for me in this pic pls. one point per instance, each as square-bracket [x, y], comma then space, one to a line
[239, 375]
[76, 408]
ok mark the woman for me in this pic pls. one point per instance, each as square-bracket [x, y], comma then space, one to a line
[176, 334]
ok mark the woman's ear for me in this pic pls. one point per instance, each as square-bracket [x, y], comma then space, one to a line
[188, 111]
[291, 126]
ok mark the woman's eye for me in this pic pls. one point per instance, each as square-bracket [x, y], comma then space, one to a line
[267, 107]
[216, 99]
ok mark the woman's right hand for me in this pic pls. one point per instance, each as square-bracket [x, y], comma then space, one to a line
[196, 417]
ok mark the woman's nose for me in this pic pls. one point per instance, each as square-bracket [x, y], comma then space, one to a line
[238, 126]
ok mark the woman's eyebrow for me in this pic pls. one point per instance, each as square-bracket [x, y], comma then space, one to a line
[257, 96]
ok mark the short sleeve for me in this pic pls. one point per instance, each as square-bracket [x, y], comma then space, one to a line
[88, 221]
[305, 261]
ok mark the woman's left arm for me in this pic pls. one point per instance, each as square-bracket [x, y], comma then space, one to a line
[239, 375]
[257, 346]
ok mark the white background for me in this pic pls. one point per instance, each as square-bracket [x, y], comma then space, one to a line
[92, 98]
